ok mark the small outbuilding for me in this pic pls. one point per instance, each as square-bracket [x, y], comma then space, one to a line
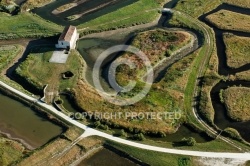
[68, 38]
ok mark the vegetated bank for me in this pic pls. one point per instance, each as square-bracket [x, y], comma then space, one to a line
[236, 100]
[228, 20]
[30, 4]
[160, 46]
[239, 3]
[196, 8]
[237, 50]
[245, 75]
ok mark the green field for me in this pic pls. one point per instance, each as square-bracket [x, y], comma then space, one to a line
[237, 100]
[228, 20]
[26, 25]
[143, 11]
[237, 50]
[37, 70]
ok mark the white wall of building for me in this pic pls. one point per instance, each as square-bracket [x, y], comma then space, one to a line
[71, 44]
[73, 40]
[63, 44]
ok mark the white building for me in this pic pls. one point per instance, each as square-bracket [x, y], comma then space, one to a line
[68, 38]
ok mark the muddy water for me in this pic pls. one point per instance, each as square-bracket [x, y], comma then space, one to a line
[106, 157]
[221, 118]
[20, 121]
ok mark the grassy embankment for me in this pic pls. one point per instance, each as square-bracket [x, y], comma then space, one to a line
[8, 53]
[44, 72]
[196, 8]
[237, 100]
[184, 21]
[208, 82]
[237, 50]
[228, 20]
[165, 96]
[26, 25]
[240, 3]
[140, 12]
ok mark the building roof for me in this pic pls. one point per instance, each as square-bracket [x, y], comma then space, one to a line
[67, 33]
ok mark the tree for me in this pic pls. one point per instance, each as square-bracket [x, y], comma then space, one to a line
[121, 133]
[97, 124]
[191, 141]
[139, 137]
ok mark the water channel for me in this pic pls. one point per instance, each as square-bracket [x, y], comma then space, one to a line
[92, 8]
[221, 119]
[43, 130]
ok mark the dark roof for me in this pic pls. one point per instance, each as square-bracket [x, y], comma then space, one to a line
[67, 33]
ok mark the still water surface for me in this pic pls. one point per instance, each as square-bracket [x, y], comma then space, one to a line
[21, 122]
